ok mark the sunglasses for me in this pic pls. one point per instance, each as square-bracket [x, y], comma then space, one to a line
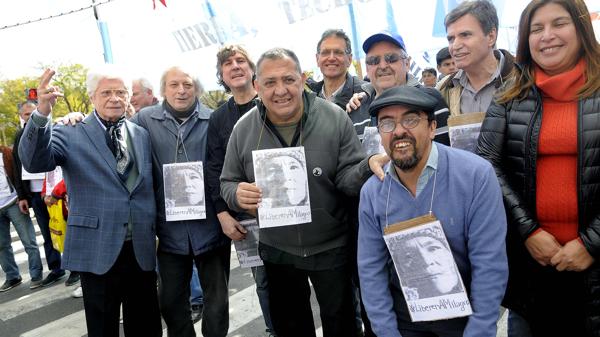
[389, 59]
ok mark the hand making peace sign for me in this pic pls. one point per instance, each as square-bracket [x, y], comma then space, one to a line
[47, 94]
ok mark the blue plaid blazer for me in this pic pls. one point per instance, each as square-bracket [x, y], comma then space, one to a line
[100, 205]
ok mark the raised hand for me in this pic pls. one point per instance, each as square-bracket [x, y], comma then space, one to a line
[47, 94]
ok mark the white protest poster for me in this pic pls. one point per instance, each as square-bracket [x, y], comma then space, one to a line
[372, 141]
[463, 130]
[281, 174]
[184, 191]
[52, 179]
[31, 176]
[4, 186]
[429, 278]
[247, 249]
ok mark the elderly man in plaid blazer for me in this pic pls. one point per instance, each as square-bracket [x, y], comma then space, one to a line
[107, 165]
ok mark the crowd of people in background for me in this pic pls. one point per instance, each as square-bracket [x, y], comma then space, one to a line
[520, 215]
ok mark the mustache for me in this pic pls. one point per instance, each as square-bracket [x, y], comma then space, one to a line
[404, 137]
[385, 71]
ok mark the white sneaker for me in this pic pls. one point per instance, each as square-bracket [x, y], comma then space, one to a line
[77, 293]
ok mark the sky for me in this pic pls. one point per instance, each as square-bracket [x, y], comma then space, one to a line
[146, 41]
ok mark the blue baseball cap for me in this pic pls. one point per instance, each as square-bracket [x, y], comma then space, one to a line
[383, 36]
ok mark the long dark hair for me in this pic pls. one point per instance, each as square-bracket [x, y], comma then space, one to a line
[524, 79]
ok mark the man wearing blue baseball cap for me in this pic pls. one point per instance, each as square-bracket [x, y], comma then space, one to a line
[457, 187]
[388, 66]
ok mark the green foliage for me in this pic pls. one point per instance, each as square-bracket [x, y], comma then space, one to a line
[213, 99]
[71, 81]
[69, 78]
[308, 74]
[12, 93]
[358, 68]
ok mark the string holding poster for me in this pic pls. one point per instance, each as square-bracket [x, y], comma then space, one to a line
[247, 249]
[184, 191]
[281, 175]
[463, 130]
[429, 278]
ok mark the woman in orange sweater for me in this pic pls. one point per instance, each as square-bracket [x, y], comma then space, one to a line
[543, 138]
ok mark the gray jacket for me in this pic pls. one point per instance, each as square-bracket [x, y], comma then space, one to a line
[176, 236]
[336, 164]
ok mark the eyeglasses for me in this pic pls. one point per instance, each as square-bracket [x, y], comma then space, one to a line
[336, 52]
[389, 125]
[389, 59]
[108, 93]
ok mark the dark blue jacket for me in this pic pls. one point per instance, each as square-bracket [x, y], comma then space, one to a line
[177, 236]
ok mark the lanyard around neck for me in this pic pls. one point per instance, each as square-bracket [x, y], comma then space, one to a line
[300, 136]
[180, 138]
[387, 203]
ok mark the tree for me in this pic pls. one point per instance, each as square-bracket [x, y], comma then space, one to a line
[214, 99]
[12, 93]
[69, 78]
[71, 81]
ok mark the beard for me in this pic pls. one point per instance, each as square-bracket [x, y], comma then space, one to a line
[406, 164]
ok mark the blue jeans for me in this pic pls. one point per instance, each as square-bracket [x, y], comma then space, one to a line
[26, 232]
[262, 290]
[196, 298]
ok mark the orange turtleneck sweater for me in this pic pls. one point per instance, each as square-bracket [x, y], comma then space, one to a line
[556, 182]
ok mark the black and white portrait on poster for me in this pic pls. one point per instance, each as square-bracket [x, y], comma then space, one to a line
[463, 130]
[372, 141]
[464, 137]
[429, 278]
[52, 179]
[247, 249]
[184, 191]
[281, 174]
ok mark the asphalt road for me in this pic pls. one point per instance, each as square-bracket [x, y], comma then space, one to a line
[52, 312]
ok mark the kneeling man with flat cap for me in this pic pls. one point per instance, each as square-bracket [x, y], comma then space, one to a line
[427, 178]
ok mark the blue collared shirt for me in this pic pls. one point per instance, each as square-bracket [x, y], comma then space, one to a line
[428, 170]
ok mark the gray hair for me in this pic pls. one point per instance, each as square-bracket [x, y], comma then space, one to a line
[24, 104]
[144, 83]
[198, 88]
[106, 71]
[336, 33]
[278, 54]
[483, 10]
